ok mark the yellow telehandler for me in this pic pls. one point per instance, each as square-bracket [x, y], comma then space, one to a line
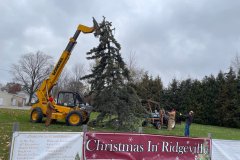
[69, 106]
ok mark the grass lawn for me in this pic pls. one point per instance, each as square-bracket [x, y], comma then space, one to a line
[8, 117]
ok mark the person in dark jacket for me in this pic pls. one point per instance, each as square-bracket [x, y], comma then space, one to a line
[189, 119]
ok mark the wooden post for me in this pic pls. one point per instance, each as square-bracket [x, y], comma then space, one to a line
[140, 130]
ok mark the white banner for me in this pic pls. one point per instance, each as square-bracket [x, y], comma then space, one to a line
[225, 149]
[46, 145]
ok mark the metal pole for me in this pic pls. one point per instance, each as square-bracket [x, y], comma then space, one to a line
[210, 135]
[15, 127]
[84, 129]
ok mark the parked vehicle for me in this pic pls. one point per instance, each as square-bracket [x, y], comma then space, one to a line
[157, 116]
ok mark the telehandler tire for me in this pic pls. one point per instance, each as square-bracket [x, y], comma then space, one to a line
[36, 115]
[74, 118]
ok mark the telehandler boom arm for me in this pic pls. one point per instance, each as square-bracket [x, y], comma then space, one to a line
[47, 85]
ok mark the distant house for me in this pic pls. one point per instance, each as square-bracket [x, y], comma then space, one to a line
[8, 99]
[26, 95]
[23, 94]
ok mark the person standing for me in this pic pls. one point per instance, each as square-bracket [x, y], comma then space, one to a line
[189, 119]
[171, 119]
[50, 110]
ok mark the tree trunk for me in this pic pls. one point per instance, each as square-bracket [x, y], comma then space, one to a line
[30, 99]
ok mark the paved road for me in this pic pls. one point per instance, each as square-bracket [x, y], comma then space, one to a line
[16, 107]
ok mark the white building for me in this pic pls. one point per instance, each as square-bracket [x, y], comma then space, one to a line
[8, 99]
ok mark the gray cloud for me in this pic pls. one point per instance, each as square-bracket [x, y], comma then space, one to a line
[173, 39]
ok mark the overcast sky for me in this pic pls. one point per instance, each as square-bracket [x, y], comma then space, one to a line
[170, 38]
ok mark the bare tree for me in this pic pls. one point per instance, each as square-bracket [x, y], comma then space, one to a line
[235, 63]
[76, 84]
[62, 83]
[78, 71]
[12, 87]
[136, 73]
[31, 70]
[70, 80]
